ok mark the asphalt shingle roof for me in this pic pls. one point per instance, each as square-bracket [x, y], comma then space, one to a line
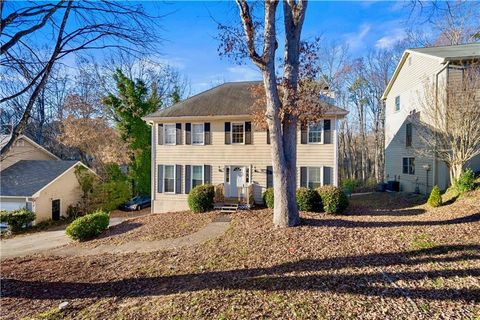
[26, 177]
[457, 52]
[228, 99]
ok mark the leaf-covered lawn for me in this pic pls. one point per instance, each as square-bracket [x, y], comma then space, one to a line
[388, 259]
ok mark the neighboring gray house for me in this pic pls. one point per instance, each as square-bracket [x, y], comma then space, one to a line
[436, 64]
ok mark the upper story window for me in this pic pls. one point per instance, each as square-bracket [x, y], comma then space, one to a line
[197, 176]
[169, 179]
[198, 133]
[315, 132]
[397, 103]
[170, 134]
[238, 132]
[408, 135]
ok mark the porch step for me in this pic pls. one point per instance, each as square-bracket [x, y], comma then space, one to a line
[229, 208]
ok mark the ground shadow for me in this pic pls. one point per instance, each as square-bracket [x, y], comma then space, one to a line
[115, 230]
[386, 204]
[296, 275]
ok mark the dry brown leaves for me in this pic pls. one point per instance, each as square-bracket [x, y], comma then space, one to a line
[389, 258]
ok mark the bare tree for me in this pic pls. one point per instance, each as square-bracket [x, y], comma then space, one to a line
[449, 117]
[74, 26]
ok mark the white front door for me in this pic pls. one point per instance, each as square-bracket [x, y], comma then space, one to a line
[237, 180]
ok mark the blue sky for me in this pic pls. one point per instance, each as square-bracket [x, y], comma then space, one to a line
[190, 45]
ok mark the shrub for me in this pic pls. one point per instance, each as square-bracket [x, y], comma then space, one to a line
[466, 181]
[88, 226]
[349, 185]
[17, 219]
[308, 200]
[200, 198]
[267, 197]
[435, 199]
[334, 200]
[110, 195]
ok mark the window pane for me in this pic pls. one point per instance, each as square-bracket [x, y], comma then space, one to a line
[411, 169]
[170, 134]
[314, 177]
[197, 134]
[197, 176]
[169, 178]
[315, 132]
[397, 103]
[237, 133]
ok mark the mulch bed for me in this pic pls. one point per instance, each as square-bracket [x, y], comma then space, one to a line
[389, 258]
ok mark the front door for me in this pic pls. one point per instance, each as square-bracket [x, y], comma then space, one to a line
[56, 209]
[237, 179]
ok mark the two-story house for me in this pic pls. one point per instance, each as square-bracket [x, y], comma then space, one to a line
[404, 160]
[210, 138]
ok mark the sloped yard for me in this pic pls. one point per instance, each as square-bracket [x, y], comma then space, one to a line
[388, 258]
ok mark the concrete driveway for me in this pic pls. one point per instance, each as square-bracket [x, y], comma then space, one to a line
[40, 241]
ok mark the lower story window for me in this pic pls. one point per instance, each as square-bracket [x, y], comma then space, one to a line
[169, 179]
[314, 177]
[197, 176]
[408, 166]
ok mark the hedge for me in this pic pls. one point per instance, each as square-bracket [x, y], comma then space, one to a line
[88, 226]
[308, 200]
[334, 200]
[267, 197]
[201, 198]
[17, 219]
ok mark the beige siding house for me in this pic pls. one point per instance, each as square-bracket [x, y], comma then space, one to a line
[210, 138]
[403, 157]
[34, 178]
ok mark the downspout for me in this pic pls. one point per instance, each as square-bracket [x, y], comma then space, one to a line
[152, 166]
[435, 169]
[335, 177]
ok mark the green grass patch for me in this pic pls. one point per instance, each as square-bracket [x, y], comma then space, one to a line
[422, 241]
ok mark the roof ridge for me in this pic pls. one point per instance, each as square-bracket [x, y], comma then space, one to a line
[445, 46]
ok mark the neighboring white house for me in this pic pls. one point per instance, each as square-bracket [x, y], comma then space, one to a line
[438, 65]
[210, 138]
[33, 177]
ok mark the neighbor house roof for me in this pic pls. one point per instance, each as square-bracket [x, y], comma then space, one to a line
[228, 99]
[444, 54]
[4, 138]
[27, 177]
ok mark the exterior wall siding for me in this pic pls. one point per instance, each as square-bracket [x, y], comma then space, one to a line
[66, 188]
[218, 155]
[24, 150]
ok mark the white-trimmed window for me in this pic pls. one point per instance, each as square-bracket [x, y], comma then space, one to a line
[238, 132]
[314, 177]
[197, 176]
[169, 134]
[198, 133]
[397, 103]
[315, 132]
[169, 179]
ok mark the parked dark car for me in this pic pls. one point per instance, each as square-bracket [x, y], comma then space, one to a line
[137, 203]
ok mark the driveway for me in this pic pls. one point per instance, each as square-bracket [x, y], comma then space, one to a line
[40, 241]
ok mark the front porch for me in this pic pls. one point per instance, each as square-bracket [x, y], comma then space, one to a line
[243, 201]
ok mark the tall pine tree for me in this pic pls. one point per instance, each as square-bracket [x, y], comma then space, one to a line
[132, 102]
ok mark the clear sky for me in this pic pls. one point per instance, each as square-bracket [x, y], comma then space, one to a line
[190, 29]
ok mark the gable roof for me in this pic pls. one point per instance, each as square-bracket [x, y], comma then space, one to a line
[4, 138]
[442, 53]
[228, 99]
[27, 177]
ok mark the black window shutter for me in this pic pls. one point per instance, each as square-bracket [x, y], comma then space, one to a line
[188, 133]
[207, 174]
[160, 178]
[268, 136]
[179, 133]
[303, 177]
[160, 133]
[178, 178]
[227, 133]
[269, 177]
[327, 132]
[207, 133]
[188, 179]
[303, 139]
[248, 132]
[327, 175]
